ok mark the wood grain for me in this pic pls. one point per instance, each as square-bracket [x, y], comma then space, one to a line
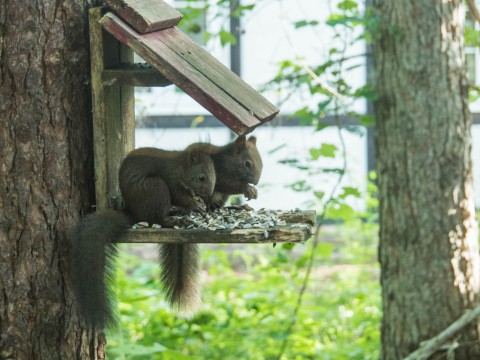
[134, 75]
[298, 229]
[192, 76]
[145, 16]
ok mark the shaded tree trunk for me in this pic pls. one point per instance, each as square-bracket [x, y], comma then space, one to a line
[428, 232]
[45, 176]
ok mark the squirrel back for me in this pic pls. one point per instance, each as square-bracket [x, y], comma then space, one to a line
[152, 180]
[93, 253]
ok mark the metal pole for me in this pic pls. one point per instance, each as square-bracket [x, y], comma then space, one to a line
[236, 30]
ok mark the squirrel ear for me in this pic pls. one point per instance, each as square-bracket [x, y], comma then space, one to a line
[253, 140]
[240, 141]
[191, 159]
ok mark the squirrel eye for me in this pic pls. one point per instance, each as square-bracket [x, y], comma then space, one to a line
[248, 163]
[202, 177]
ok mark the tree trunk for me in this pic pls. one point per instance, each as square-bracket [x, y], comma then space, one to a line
[46, 176]
[428, 232]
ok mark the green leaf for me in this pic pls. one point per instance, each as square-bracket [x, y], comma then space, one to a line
[339, 211]
[366, 120]
[242, 9]
[303, 23]
[227, 37]
[326, 150]
[347, 5]
[288, 246]
[319, 194]
[350, 191]
[366, 92]
[325, 250]
[305, 115]
[300, 186]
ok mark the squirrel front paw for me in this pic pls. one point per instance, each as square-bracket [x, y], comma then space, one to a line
[251, 192]
[217, 201]
[198, 204]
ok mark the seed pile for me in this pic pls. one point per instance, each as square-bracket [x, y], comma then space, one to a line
[228, 218]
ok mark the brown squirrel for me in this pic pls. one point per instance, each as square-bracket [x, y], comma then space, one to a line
[237, 165]
[151, 181]
[145, 175]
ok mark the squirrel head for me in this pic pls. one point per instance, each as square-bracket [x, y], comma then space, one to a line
[246, 160]
[199, 173]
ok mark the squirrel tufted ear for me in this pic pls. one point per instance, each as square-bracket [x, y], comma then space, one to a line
[241, 140]
[253, 140]
[192, 158]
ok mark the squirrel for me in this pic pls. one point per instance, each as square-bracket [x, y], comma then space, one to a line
[151, 181]
[237, 165]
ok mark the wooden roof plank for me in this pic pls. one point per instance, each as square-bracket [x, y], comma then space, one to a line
[185, 76]
[218, 73]
[145, 16]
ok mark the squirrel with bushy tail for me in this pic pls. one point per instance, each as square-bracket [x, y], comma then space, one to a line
[152, 180]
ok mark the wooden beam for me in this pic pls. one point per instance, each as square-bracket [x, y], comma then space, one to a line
[278, 234]
[146, 16]
[113, 112]
[134, 75]
[298, 229]
[98, 108]
[189, 78]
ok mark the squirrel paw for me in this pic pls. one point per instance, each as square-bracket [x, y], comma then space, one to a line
[171, 222]
[243, 207]
[198, 204]
[217, 201]
[251, 192]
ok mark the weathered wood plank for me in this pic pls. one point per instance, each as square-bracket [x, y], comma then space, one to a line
[279, 234]
[134, 75]
[119, 117]
[298, 229]
[98, 108]
[308, 217]
[113, 112]
[185, 76]
[146, 16]
[218, 73]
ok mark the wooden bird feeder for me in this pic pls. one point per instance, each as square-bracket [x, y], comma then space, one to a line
[148, 28]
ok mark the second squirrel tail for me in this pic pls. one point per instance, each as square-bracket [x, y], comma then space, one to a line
[179, 274]
[93, 254]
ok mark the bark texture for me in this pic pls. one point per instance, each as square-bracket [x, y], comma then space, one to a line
[428, 231]
[45, 176]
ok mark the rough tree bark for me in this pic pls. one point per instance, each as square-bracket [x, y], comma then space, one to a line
[428, 231]
[45, 176]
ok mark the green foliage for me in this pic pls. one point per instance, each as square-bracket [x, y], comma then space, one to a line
[248, 297]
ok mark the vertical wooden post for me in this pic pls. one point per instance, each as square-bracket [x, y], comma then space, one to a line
[113, 113]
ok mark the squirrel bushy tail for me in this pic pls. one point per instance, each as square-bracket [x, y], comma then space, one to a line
[93, 255]
[179, 274]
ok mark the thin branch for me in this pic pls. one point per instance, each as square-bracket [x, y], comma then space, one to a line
[323, 83]
[474, 87]
[428, 347]
[311, 258]
[473, 10]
